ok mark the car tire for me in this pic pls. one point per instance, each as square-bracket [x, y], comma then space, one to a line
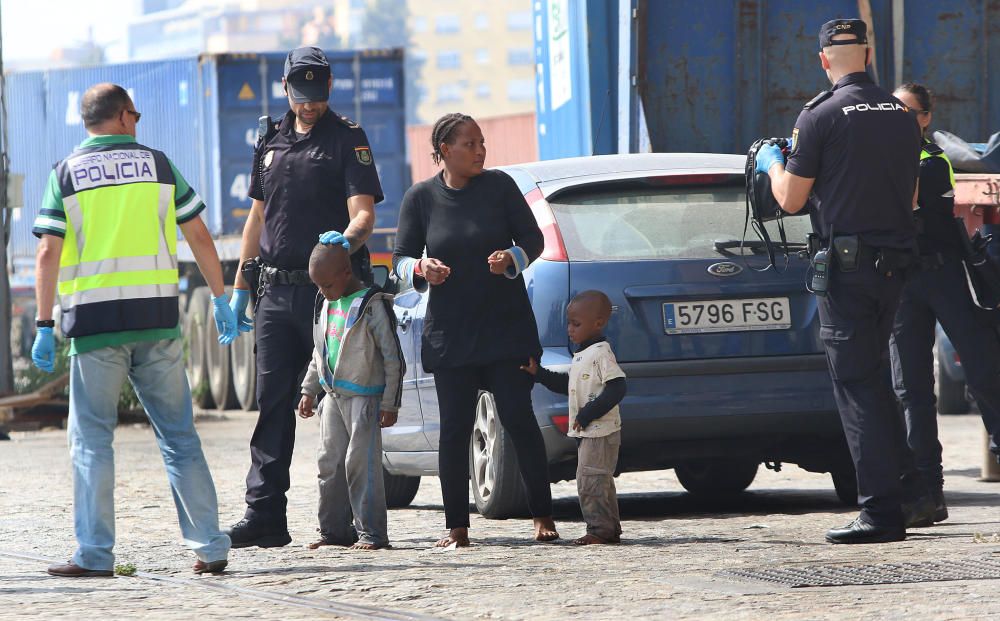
[195, 325]
[496, 481]
[243, 363]
[220, 375]
[400, 489]
[951, 398]
[845, 483]
[717, 478]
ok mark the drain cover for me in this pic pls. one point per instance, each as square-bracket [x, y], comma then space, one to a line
[887, 573]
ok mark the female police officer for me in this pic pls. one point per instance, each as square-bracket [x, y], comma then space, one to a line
[312, 173]
[856, 149]
[937, 291]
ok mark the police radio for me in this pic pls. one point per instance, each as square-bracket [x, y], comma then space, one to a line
[820, 273]
[761, 206]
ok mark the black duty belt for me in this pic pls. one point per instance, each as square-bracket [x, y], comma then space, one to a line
[270, 275]
[884, 260]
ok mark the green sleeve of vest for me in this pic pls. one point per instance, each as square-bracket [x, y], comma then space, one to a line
[51, 218]
[188, 203]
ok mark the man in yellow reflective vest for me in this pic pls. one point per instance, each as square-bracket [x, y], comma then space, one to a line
[108, 239]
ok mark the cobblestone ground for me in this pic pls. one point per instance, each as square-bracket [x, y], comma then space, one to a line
[667, 567]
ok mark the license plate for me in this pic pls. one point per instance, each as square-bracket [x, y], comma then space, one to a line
[726, 315]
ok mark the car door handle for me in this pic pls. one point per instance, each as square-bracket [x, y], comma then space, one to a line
[404, 322]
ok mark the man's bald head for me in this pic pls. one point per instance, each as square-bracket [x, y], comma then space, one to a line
[840, 60]
[103, 103]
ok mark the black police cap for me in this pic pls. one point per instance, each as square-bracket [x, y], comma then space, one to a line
[307, 73]
[856, 27]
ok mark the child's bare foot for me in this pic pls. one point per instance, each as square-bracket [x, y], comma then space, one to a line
[545, 529]
[459, 537]
[368, 546]
[589, 540]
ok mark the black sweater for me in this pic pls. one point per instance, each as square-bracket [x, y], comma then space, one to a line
[474, 317]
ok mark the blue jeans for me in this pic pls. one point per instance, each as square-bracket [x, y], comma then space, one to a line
[156, 370]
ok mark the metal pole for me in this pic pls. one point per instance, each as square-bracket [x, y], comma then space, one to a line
[6, 350]
[627, 60]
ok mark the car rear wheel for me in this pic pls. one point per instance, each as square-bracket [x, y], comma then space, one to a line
[717, 478]
[496, 481]
[400, 490]
[845, 482]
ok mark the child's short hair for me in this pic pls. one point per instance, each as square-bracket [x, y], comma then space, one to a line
[325, 253]
[596, 300]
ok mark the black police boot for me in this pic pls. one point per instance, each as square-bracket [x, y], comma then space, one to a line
[921, 511]
[860, 531]
[247, 533]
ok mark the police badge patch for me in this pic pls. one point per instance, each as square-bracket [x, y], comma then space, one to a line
[795, 139]
[364, 155]
[267, 158]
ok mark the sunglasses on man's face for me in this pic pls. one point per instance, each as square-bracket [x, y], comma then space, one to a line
[135, 113]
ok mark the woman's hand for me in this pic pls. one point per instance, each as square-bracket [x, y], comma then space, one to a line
[433, 271]
[499, 261]
[531, 367]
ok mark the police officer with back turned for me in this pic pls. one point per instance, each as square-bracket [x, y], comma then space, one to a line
[856, 149]
[313, 172]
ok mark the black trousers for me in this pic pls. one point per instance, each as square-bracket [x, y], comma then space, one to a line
[929, 296]
[856, 319]
[283, 329]
[458, 391]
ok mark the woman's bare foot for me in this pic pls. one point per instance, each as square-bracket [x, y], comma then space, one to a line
[368, 546]
[589, 540]
[545, 529]
[459, 537]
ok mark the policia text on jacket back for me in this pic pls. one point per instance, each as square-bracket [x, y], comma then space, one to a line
[314, 172]
[856, 148]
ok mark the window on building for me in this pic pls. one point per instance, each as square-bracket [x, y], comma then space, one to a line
[420, 24]
[482, 21]
[449, 59]
[520, 90]
[483, 56]
[446, 93]
[446, 24]
[520, 20]
[520, 56]
[484, 91]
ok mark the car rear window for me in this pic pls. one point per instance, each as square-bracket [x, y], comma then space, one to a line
[668, 223]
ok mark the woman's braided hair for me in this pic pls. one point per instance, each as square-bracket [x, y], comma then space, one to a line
[443, 130]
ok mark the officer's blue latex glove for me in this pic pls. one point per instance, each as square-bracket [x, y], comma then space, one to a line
[43, 352]
[768, 156]
[225, 320]
[238, 304]
[332, 238]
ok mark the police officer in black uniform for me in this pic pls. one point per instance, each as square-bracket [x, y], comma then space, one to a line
[855, 149]
[313, 172]
[937, 291]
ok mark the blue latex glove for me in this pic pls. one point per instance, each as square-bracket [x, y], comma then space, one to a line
[768, 156]
[238, 304]
[331, 238]
[43, 352]
[225, 320]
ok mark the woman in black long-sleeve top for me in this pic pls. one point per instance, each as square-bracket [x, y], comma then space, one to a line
[479, 234]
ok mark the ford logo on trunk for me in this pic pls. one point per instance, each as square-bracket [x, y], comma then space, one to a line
[724, 269]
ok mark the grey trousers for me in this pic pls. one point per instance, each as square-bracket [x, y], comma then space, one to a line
[350, 471]
[595, 485]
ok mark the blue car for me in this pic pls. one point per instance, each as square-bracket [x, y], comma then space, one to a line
[725, 366]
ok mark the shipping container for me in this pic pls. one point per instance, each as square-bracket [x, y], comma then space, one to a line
[510, 139]
[203, 114]
[715, 75]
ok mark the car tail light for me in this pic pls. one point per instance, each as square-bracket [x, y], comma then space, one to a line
[555, 249]
[561, 422]
[958, 361]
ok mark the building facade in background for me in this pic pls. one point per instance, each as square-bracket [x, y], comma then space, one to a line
[477, 57]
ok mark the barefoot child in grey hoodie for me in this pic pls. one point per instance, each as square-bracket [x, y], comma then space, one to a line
[358, 364]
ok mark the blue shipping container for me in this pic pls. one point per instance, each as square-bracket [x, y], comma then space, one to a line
[715, 75]
[203, 114]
